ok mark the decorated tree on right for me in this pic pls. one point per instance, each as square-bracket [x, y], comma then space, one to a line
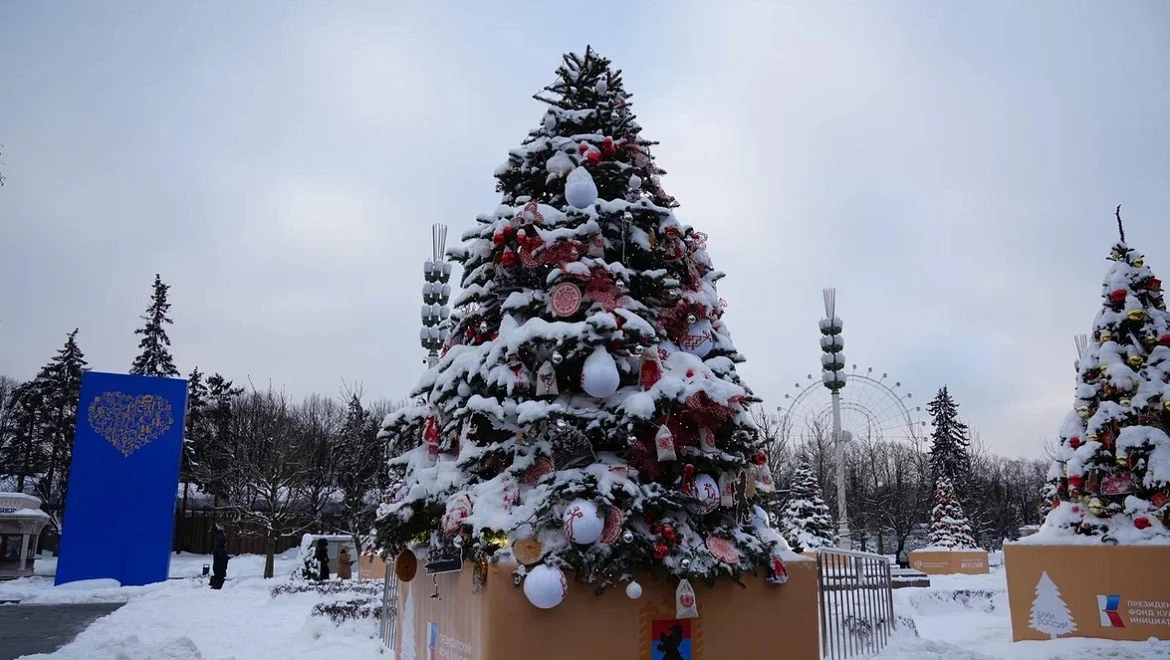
[805, 521]
[1111, 475]
[948, 524]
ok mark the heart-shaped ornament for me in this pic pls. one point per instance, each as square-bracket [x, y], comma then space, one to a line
[130, 422]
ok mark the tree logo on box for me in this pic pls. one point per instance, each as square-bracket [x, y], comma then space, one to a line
[1107, 607]
[1050, 614]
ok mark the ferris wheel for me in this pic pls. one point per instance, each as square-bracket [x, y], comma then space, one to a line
[872, 406]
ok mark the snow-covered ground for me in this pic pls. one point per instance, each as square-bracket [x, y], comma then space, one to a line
[958, 618]
[183, 619]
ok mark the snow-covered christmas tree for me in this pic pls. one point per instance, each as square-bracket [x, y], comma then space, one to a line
[1111, 476]
[948, 524]
[1050, 614]
[805, 521]
[586, 415]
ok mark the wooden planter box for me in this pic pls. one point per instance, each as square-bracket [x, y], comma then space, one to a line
[371, 567]
[1109, 591]
[499, 623]
[947, 562]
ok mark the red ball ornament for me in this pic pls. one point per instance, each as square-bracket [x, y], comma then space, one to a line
[1154, 284]
[498, 240]
[495, 336]
[509, 231]
[1076, 481]
[656, 529]
[582, 148]
[607, 147]
[1074, 442]
[470, 333]
[761, 458]
[689, 471]
[1141, 522]
[593, 157]
[1164, 340]
[660, 551]
[667, 531]
[509, 259]
[1118, 296]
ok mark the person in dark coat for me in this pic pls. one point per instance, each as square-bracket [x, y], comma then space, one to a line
[219, 561]
[322, 557]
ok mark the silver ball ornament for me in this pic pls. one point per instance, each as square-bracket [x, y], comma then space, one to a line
[639, 349]
[483, 327]
[685, 563]
[557, 358]
[691, 318]
[628, 536]
[457, 541]
[631, 440]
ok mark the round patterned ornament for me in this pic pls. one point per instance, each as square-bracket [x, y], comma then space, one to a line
[546, 586]
[613, 525]
[565, 299]
[723, 550]
[705, 491]
[583, 524]
[527, 551]
[406, 566]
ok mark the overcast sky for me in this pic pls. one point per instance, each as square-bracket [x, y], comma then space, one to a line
[950, 167]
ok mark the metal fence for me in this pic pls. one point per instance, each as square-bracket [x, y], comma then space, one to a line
[857, 602]
[389, 631]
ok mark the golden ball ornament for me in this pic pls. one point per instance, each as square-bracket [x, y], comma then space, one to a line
[1085, 499]
[1139, 262]
[1136, 315]
[1122, 460]
[1093, 437]
[1106, 336]
[1083, 411]
[1125, 402]
[1096, 506]
[1166, 405]
[1134, 360]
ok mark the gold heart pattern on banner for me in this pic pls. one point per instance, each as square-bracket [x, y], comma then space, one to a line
[130, 422]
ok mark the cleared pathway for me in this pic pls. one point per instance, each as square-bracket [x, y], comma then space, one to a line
[30, 629]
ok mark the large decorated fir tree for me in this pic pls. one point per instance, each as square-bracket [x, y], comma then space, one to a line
[805, 521]
[1111, 476]
[949, 527]
[586, 415]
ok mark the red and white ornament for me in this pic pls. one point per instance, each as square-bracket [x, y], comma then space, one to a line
[545, 586]
[703, 490]
[686, 606]
[613, 525]
[430, 435]
[664, 444]
[546, 380]
[723, 550]
[582, 523]
[777, 573]
[458, 509]
[651, 367]
[727, 489]
[565, 299]
[699, 339]
[540, 468]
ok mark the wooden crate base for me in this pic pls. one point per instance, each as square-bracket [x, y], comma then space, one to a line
[498, 623]
[1112, 592]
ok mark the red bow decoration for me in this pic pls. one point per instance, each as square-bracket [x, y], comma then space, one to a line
[698, 241]
[599, 288]
[531, 213]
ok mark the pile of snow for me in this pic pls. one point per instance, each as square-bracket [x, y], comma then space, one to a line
[184, 619]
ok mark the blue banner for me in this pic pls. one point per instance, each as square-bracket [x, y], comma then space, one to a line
[120, 507]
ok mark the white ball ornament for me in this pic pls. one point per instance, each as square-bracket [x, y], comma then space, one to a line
[546, 586]
[583, 524]
[580, 190]
[599, 374]
[700, 339]
[634, 590]
[705, 491]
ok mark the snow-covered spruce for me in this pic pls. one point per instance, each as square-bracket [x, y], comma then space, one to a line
[949, 529]
[1110, 480]
[805, 521]
[588, 362]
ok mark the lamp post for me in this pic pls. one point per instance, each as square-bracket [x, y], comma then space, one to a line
[436, 292]
[833, 377]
